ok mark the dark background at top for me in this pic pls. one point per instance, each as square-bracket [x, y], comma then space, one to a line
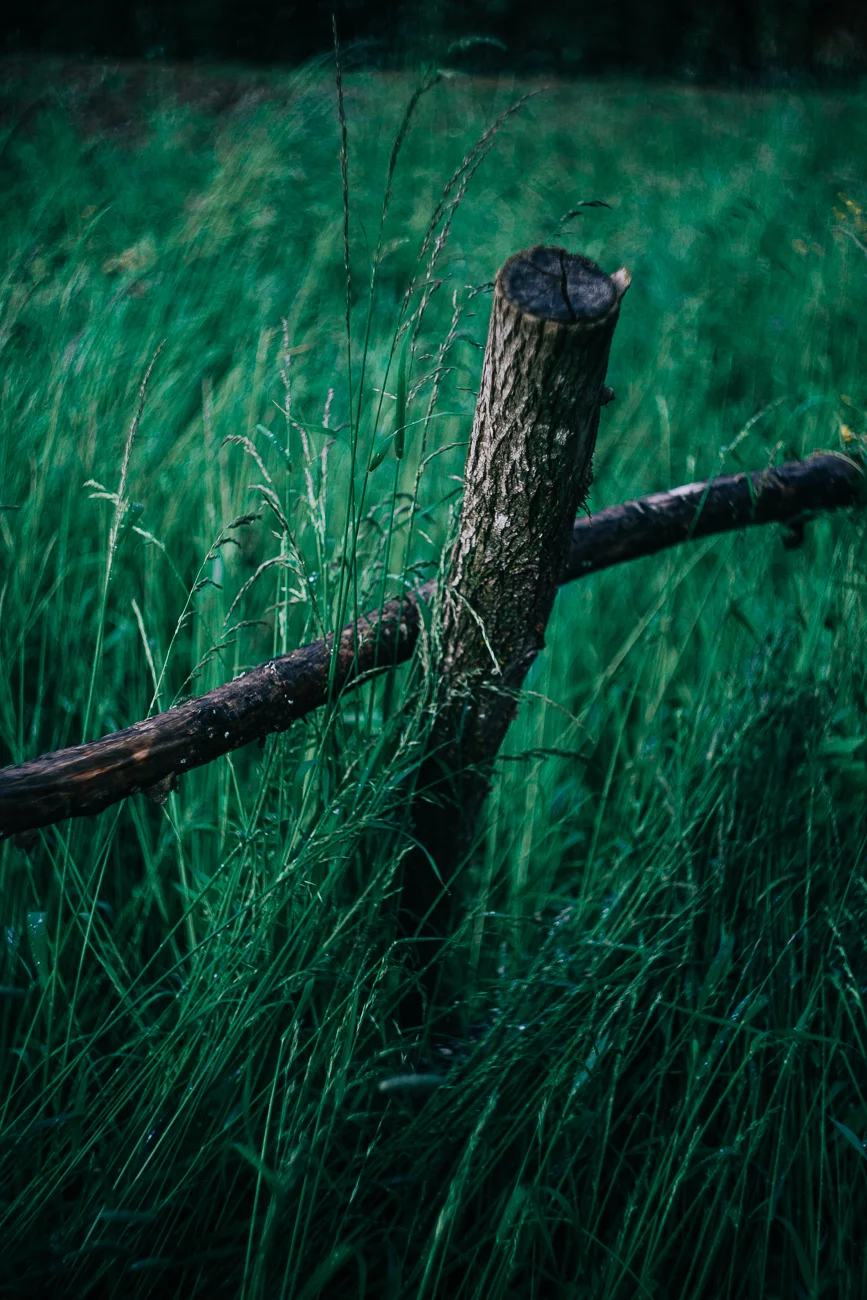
[720, 39]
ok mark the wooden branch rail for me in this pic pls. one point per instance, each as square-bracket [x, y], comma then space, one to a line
[86, 779]
[789, 494]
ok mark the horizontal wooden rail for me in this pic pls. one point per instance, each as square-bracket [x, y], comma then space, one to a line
[786, 495]
[85, 779]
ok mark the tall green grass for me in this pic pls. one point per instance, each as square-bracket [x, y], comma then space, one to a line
[658, 1088]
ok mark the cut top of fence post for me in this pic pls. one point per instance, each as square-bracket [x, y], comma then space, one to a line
[559, 287]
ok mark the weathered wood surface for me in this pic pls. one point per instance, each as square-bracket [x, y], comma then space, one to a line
[786, 495]
[528, 470]
[85, 779]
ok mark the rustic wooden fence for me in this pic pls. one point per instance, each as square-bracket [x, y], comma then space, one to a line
[528, 470]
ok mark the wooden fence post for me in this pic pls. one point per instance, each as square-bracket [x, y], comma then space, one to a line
[528, 470]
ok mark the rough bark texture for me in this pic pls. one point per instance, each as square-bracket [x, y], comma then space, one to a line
[85, 779]
[527, 472]
[528, 468]
[788, 494]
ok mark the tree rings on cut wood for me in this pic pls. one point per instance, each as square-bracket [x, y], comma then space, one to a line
[559, 286]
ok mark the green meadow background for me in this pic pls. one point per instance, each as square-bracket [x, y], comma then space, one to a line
[657, 1086]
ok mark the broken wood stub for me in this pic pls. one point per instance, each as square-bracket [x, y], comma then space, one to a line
[528, 470]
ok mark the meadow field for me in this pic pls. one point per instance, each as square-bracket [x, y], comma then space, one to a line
[658, 1083]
